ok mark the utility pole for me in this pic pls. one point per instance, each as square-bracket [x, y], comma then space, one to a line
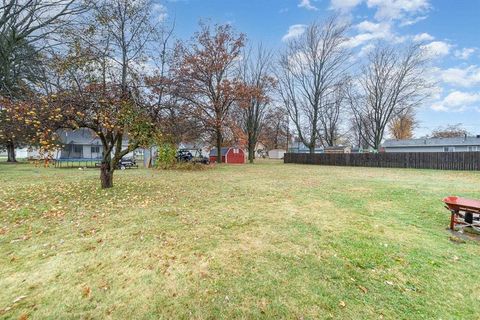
[288, 131]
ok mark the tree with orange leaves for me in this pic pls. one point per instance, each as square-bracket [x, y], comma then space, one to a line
[206, 77]
[12, 129]
[98, 83]
[401, 127]
[29, 122]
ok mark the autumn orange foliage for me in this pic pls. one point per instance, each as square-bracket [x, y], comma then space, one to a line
[402, 126]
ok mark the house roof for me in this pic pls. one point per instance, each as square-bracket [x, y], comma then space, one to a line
[191, 145]
[213, 152]
[432, 142]
[78, 136]
[81, 136]
[336, 148]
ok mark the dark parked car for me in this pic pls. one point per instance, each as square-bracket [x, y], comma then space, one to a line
[127, 163]
[184, 155]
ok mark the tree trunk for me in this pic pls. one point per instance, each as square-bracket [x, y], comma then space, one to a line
[219, 147]
[312, 149]
[106, 175]
[11, 152]
[377, 142]
[251, 152]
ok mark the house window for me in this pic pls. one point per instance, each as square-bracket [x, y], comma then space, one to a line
[77, 149]
[472, 148]
[95, 149]
[235, 151]
[448, 149]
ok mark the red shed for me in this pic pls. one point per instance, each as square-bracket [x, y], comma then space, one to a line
[229, 155]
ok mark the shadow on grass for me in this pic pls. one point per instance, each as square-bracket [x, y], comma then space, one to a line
[6, 163]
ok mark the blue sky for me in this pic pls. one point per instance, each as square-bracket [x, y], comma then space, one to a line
[450, 29]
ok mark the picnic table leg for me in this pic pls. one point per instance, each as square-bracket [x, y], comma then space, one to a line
[453, 220]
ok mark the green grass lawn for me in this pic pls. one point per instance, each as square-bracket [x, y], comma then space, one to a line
[256, 241]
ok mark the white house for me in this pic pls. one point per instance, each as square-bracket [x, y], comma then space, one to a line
[260, 150]
[194, 147]
[458, 144]
[82, 144]
[276, 153]
[23, 153]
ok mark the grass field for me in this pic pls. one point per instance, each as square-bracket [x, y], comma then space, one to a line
[257, 241]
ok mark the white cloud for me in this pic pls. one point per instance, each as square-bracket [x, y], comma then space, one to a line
[159, 11]
[408, 12]
[436, 49]
[307, 4]
[410, 21]
[465, 53]
[467, 77]
[369, 31]
[397, 9]
[294, 31]
[344, 5]
[423, 37]
[366, 49]
[457, 101]
[367, 26]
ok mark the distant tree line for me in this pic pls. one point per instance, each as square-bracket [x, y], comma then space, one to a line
[112, 66]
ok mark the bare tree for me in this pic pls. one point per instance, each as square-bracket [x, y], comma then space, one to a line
[25, 27]
[392, 82]
[310, 70]
[357, 129]
[100, 78]
[332, 115]
[450, 131]
[256, 74]
[168, 109]
[275, 130]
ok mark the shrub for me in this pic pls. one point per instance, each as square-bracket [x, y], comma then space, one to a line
[166, 156]
[166, 160]
[190, 166]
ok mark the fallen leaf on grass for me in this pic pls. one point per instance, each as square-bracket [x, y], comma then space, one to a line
[23, 316]
[6, 309]
[18, 299]
[390, 283]
[24, 238]
[263, 305]
[342, 304]
[456, 239]
[365, 290]
[104, 285]
[86, 291]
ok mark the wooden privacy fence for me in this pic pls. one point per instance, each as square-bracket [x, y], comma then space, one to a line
[418, 160]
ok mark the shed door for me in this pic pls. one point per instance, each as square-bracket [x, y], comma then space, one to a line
[235, 155]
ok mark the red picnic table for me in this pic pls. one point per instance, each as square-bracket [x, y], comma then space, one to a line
[464, 212]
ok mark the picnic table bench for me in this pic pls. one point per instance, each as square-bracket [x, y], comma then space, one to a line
[464, 212]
